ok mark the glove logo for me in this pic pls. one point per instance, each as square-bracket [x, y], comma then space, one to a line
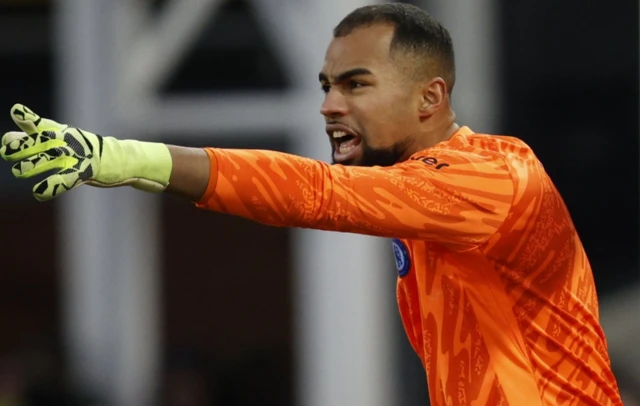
[401, 255]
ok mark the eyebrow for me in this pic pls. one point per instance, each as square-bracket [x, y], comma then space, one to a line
[345, 75]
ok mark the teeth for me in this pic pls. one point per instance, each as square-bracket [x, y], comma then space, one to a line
[339, 134]
[345, 148]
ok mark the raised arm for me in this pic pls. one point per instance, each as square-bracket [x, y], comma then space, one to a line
[452, 197]
[456, 197]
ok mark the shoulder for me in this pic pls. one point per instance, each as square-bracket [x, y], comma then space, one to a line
[505, 145]
[464, 147]
[512, 150]
[526, 170]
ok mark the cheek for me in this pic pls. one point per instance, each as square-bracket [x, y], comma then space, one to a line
[376, 126]
[403, 114]
[384, 119]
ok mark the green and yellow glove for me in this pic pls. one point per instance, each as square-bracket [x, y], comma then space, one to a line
[81, 157]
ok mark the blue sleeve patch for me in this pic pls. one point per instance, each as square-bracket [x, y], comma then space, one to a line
[401, 255]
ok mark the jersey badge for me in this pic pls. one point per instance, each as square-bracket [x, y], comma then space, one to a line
[401, 255]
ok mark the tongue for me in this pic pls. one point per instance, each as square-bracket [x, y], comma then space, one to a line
[346, 146]
[349, 143]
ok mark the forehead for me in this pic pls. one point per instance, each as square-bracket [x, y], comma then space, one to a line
[366, 47]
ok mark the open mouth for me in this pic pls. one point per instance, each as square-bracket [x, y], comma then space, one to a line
[346, 142]
[346, 146]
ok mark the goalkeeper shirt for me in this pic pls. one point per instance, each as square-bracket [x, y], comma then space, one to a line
[494, 288]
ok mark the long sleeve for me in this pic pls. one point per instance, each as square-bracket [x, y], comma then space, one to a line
[450, 196]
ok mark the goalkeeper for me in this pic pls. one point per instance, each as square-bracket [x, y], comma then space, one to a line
[495, 290]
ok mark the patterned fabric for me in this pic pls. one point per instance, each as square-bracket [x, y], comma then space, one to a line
[80, 157]
[497, 295]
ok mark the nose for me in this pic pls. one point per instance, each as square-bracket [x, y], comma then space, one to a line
[334, 104]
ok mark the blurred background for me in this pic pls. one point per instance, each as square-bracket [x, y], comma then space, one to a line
[121, 298]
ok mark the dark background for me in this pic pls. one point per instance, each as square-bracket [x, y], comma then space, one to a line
[570, 83]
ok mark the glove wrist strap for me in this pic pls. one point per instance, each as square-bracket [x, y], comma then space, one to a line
[145, 165]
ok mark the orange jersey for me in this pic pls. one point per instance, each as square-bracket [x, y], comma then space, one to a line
[495, 291]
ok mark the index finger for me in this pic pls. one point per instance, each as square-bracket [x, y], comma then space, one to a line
[30, 122]
[16, 147]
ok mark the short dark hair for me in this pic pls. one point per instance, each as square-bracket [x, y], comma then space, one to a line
[416, 32]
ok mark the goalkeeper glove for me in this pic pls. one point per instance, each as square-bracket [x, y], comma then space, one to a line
[81, 157]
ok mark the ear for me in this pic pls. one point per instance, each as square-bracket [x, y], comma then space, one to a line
[433, 96]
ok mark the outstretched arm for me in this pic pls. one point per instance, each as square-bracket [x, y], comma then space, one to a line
[462, 200]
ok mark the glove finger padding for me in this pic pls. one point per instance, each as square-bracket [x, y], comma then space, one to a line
[57, 184]
[56, 158]
[11, 136]
[15, 148]
[81, 157]
[30, 122]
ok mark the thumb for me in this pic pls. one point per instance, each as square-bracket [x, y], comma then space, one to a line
[30, 122]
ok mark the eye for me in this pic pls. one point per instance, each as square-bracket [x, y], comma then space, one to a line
[355, 85]
[325, 88]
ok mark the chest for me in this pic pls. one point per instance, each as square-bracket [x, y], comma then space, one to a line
[433, 278]
[419, 263]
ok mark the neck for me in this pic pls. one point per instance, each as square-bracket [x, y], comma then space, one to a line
[439, 130]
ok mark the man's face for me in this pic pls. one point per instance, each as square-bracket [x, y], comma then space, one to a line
[371, 106]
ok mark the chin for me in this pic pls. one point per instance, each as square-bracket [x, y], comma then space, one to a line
[367, 156]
